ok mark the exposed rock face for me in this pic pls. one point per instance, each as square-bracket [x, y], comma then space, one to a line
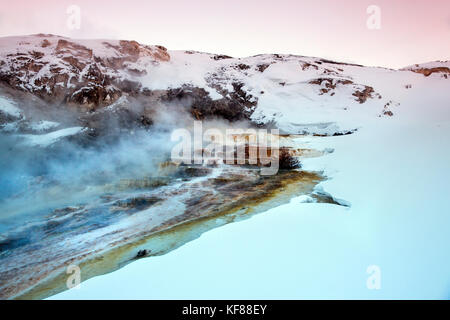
[440, 68]
[426, 72]
[238, 107]
[85, 73]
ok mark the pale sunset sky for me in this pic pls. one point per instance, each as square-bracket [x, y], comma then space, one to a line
[411, 31]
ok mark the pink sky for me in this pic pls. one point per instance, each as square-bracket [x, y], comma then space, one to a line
[412, 31]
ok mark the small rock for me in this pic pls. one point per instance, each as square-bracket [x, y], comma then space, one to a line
[142, 253]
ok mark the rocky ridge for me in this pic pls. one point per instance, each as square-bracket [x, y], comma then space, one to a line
[128, 82]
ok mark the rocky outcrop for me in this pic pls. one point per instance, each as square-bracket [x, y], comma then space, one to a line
[364, 94]
[238, 105]
[84, 73]
[439, 68]
[428, 71]
[119, 84]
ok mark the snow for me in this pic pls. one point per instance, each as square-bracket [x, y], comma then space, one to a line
[428, 65]
[394, 173]
[44, 140]
[101, 48]
[44, 125]
[17, 51]
[283, 90]
[9, 127]
[9, 107]
[182, 69]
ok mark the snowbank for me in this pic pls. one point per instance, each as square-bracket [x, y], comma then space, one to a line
[44, 140]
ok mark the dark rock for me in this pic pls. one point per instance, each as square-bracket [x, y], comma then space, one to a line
[142, 253]
[221, 57]
[139, 203]
[262, 67]
[363, 95]
[287, 161]
[243, 66]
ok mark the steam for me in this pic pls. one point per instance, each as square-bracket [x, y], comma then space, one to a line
[75, 169]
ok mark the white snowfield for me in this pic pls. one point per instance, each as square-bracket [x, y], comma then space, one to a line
[394, 171]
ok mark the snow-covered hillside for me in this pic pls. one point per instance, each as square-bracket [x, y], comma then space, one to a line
[88, 72]
[298, 94]
[438, 68]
